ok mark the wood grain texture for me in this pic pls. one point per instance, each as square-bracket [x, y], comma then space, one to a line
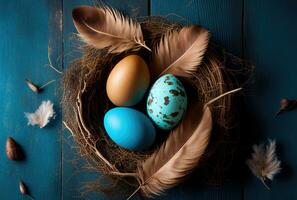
[271, 44]
[223, 18]
[198, 191]
[26, 32]
[52, 170]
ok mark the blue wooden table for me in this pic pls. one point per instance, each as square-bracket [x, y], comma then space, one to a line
[262, 31]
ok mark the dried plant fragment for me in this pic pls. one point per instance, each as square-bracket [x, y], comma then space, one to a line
[50, 64]
[13, 150]
[36, 88]
[24, 189]
[287, 105]
[42, 115]
[264, 163]
[33, 87]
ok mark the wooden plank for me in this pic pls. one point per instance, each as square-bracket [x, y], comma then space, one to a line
[224, 20]
[73, 174]
[270, 40]
[27, 29]
[191, 191]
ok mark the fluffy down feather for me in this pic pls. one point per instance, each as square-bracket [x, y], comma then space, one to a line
[42, 115]
[264, 163]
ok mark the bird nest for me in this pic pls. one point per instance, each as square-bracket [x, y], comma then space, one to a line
[85, 102]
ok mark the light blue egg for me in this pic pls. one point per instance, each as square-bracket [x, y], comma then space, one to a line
[167, 102]
[129, 128]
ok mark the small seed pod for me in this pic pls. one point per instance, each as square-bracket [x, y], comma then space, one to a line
[13, 150]
[24, 189]
[286, 105]
[33, 87]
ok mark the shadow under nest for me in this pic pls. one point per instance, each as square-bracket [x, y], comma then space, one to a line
[85, 102]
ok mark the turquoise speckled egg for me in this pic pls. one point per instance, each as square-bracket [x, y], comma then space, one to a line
[167, 102]
[129, 128]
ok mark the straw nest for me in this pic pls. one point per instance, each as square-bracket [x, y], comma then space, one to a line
[85, 102]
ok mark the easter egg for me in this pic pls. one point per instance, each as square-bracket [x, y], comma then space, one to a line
[128, 81]
[167, 102]
[129, 128]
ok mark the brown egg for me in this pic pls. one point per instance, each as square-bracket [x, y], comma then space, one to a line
[128, 81]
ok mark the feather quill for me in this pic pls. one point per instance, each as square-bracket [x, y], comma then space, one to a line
[264, 163]
[179, 155]
[180, 52]
[105, 27]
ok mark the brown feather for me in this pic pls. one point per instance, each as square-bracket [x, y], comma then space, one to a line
[180, 52]
[179, 155]
[105, 27]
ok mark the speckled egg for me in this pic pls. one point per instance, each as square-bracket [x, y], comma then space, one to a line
[167, 102]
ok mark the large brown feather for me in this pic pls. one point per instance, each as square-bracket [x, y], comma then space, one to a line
[180, 52]
[105, 27]
[179, 155]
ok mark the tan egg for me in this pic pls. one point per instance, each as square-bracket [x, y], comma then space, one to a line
[128, 81]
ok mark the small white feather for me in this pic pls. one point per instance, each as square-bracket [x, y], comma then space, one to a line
[42, 115]
[263, 162]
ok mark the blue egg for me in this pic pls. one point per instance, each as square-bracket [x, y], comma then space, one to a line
[167, 102]
[129, 128]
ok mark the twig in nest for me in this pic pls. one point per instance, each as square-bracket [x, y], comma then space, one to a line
[264, 163]
[221, 96]
[81, 122]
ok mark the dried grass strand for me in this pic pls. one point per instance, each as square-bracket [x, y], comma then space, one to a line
[85, 102]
